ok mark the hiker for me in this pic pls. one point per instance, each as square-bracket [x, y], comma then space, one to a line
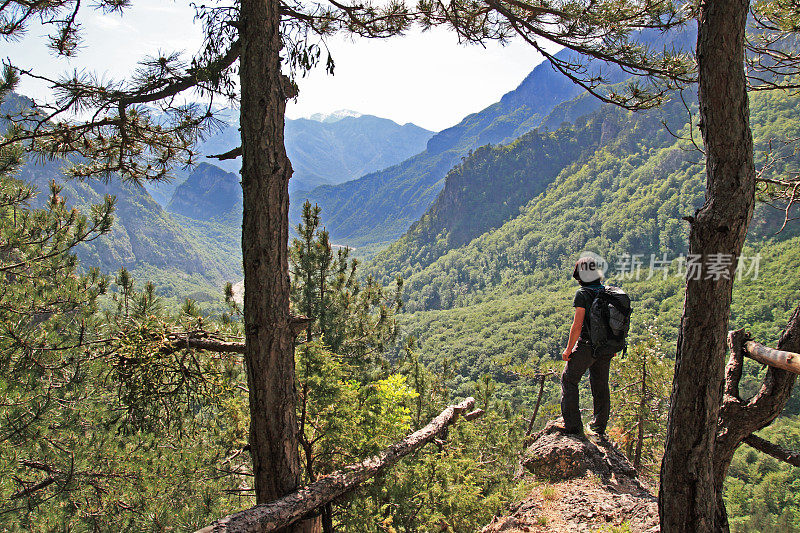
[580, 356]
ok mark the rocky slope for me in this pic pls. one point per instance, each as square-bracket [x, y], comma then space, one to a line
[588, 486]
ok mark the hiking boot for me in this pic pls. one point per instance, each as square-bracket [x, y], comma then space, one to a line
[596, 430]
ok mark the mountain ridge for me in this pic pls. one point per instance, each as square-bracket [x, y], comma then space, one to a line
[333, 116]
[379, 207]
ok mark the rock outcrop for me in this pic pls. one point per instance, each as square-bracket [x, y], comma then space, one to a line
[585, 484]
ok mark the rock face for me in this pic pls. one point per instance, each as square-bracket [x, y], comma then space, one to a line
[209, 192]
[586, 485]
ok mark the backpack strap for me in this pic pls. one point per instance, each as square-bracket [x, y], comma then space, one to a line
[595, 291]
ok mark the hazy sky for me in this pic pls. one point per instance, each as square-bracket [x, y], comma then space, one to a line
[424, 78]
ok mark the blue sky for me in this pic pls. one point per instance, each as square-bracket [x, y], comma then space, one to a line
[424, 78]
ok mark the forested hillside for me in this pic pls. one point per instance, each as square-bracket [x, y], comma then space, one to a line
[491, 186]
[628, 197]
[179, 258]
[504, 297]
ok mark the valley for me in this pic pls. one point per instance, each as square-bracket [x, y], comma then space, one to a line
[421, 268]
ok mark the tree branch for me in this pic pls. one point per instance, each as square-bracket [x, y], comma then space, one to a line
[230, 154]
[733, 371]
[180, 342]
[762, 445]
[740, 418]
[195, 76]
[46, 482]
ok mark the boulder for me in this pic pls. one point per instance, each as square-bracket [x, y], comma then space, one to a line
[582, 484]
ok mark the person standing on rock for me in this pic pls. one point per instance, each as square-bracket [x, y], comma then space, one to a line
[580, 356]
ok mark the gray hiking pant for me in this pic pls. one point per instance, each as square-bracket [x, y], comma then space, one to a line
[579, 362]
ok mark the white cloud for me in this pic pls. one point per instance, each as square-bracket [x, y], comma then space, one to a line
[111, 22]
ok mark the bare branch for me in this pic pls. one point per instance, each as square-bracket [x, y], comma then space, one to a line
[762, 445]
[789, 361]
[230, 154]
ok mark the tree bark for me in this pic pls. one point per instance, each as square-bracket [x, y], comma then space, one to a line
[739, 418]
[269, 338]
[687, 501]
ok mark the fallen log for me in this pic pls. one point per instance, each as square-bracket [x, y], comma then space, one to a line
[268, 517]
[788, 361]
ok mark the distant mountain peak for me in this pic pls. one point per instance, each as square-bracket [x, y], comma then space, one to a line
[335, 116]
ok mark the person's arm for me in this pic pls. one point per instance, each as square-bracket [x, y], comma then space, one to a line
[574, 332]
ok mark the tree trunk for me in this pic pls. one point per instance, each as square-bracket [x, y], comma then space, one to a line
[327, 519]
[687, 499]
[739, 418]
[637, 458]
[273, 515]
[269, 336]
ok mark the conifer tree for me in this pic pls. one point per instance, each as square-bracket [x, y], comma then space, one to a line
[46, 310]
[352, 318]
[352, 327]
[641, 383]
[125, 137]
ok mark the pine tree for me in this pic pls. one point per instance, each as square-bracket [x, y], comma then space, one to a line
[47, 315]
[353, 327]
[732, 58]
[126, 137]
[352, 318]
[640, 384]
[695, 457]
